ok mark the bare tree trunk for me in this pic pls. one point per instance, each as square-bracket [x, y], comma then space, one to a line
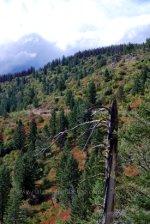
[111, 164]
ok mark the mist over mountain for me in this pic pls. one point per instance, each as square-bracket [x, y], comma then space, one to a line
[30, 50]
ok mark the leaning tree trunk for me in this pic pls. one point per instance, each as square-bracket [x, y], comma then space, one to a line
[111, 164]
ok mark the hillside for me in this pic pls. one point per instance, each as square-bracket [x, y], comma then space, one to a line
[56, 180]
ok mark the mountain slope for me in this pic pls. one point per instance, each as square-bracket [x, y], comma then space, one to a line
[66, 182]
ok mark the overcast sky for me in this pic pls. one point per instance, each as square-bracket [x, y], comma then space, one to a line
[68, 23]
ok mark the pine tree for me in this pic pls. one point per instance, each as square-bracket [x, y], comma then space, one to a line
[69, 99]
[25, 172]
[62, 124]
[148, 42]
[82, 207]
[61, 121]
[1, 143]
[120, 94]
[91, 93]
[5, 185]
[61, 84]
[19, 174]
[14, 214]
[107, 75]
[46, 131]
[32, 134]
[19, 136]
[135, 151]
[67, 175]
[52, 123]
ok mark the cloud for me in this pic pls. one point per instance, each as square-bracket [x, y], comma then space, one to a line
[31, 50]
[92, 23]
[34, 32]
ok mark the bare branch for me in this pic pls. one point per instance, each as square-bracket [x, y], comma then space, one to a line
[102, 146]
[100, 108]
[56, 137]
[93, 129]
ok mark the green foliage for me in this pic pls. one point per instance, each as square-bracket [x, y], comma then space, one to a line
[69, 99]
[67, 175]
[45, 205]
[91, 93]
[148, 42]
[52, 123]
[5, 185]
[135, 150]
[14, 214]
[62, 124]
[120, 94]
[108, 92]
[139, 85]
[32, 134]
[1, 143]
[82, 208]
[107, 75]
[25, 173]
[19, 136]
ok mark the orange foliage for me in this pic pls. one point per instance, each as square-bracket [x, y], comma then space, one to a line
[66, 215]
[135, 104]
[54, 213]
[4, 136]
[80, 157]
[131, 171]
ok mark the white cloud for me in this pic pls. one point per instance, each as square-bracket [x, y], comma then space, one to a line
[68, 22]
[26, 54]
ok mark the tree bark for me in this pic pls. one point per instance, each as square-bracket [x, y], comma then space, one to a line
[111, 164]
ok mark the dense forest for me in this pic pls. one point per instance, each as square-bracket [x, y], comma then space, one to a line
[53, 138]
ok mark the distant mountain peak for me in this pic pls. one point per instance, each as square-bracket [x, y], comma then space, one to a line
[30, 50]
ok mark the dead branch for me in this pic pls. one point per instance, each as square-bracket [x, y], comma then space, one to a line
[102, 146]
[93, 129]
[56, 137]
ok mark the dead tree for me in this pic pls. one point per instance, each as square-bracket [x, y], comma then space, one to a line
[111, 164]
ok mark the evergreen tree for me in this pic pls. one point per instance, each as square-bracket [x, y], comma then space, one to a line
[62, 124]
[135, 151]
[107, 75]
[52, 123]
[82, 207]
[1, 144]
[73, 115]
[120, 94]
[46, 131]
[69, 98]
[83, 115]
[5, 185]
[25, 172]
[14, 214]
[61, 83]
[139, 85]
[148, 42]
[91, 93]
[19, 136]
[61, 121]
[32, 134]
[67, 175]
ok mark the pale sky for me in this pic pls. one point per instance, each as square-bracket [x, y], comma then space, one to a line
[68, 23]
